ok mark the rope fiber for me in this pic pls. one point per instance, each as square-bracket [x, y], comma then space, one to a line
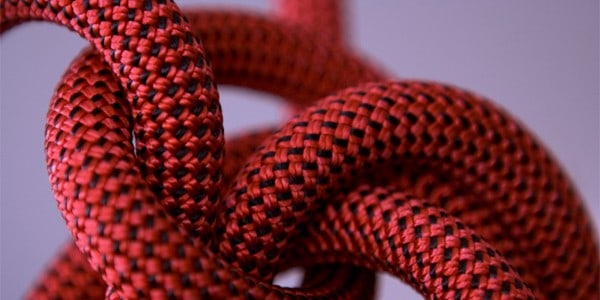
[428, 182]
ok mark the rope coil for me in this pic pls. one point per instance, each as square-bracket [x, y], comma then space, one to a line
[425, 181]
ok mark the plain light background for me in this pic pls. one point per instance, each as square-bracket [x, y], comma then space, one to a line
[538, 59]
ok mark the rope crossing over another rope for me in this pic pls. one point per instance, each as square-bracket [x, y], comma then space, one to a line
[425, 181]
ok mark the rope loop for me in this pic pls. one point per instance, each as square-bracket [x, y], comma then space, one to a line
[428, 182]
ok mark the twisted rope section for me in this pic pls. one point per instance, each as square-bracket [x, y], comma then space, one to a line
[425, 181]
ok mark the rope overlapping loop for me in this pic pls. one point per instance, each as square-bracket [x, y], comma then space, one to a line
[425, 181]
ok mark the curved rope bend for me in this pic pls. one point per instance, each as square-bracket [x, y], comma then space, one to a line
[428, 182]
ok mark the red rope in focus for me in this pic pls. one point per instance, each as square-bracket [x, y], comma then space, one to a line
[427, 182]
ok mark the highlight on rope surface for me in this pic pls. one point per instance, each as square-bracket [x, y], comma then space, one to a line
[428, 182]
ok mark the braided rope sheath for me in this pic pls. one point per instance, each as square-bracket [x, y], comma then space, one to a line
[428, 182]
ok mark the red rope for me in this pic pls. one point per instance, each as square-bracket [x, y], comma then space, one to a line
[428, 182]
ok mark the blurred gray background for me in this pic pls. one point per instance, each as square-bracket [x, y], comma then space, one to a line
[538, 59]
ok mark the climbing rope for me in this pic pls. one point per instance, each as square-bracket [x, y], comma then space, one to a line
[428, 182]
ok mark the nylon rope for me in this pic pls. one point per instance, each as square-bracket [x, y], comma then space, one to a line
[428, 182]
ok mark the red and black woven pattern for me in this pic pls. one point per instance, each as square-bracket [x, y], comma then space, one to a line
[425, 181]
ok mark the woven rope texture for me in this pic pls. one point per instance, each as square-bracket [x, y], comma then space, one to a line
[428, 182]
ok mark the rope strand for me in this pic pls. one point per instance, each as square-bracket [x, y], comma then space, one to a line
[425, 181]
